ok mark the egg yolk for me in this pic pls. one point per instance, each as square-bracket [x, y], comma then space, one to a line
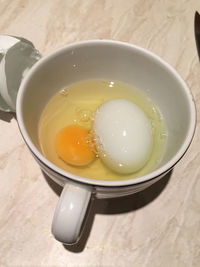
[74, 146]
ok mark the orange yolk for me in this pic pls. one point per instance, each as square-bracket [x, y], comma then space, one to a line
[73, 145]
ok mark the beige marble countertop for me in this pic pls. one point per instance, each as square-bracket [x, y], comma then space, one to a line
[157, 227]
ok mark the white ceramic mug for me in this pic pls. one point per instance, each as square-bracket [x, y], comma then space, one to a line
[103, 59]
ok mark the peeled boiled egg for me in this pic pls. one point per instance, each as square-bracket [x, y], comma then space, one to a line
[74, 145]
[123, 136]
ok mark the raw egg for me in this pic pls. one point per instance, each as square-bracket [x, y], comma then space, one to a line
[123, 135]
[74, 145]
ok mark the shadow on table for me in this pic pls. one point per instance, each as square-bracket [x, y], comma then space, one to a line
[113, 206]
[7, 116]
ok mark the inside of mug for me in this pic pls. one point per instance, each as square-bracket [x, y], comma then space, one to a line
[113, 61]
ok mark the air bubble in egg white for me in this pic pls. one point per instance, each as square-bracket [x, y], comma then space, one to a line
[84, 117]
[64, 92]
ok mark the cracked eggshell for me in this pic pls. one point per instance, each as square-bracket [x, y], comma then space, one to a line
[17, 56]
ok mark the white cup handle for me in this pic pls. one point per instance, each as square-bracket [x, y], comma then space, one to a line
[70, 213]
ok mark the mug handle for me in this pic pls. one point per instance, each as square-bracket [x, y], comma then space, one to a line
[70, 212]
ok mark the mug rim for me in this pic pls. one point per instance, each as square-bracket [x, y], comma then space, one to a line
[92, 181]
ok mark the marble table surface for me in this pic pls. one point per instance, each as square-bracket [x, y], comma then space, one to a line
[157, 227]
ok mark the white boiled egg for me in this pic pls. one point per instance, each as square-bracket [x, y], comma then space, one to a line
[123, 136]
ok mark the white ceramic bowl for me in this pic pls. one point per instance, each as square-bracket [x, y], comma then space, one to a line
[112, 60]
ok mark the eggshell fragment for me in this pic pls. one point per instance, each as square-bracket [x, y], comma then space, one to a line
[17, 55]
